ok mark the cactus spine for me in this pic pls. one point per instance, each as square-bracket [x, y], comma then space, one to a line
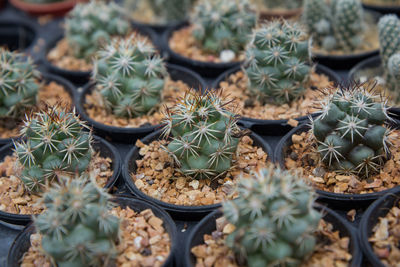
[274, 219]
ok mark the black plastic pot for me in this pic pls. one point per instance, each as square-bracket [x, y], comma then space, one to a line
[22, 242]
[205, 69]
[130, 135]
[334, 200]
[208, 225]
[48, 78]
[273, 127]
[158, 28]
[383, 9]
[378, 209]
[17, 34]
[99, 144]
[178, 212]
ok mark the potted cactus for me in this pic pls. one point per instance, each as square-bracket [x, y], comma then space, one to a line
[214, 39]
[273, 222]
[83, 226]
[270, 9]
[55, 142]
[45, 7]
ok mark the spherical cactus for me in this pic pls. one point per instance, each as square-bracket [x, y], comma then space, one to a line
[223, 24]
[92, 24]
[19, 84]
[77, 228]
[274, 219]
[389, 37]
[351, 132]
[278, 58]
[130, 76]
[204, 134]
[53, 143]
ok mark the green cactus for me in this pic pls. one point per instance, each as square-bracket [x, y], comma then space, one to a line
[223, 24]
[274, 219]
[18, 84]
[393, 75]
[277, 61]
[351, 132]
[287, 4]
[204, 134]
[130, 76]
[53, 143]
[90, 25]
[77, 228]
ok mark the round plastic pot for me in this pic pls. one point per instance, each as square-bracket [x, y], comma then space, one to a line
[208, 225]
[272, 127]
[270, 14]
[204, 68]
[370, 218]
[22, 242]
[383, 9]
[55, 9]
[178, 212]
[17, 34]
[159, 28]
[334, 200]
[99, 145]
[130, 135]
[48, 78]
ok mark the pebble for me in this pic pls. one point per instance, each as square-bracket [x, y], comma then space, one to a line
[297, 139]
[194, 184]
[180, 183]
[229, 228]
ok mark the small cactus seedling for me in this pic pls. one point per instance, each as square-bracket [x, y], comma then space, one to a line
[204, 134]
[77, 228]
[351, 132]
[283, 4]
[130, 76]
[274, 218]
[92, 24]
[18, 84]
[278, 60]
[53, 143]
[223, 24]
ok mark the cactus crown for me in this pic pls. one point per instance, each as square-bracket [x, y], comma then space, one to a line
[92, 24]
[286, 4]
[18, 83]
[204, 134]
[130, 76]
[77, 228]
[277, 61]
[53, 143]
[274, 219]
[223, 24]
[351, 132]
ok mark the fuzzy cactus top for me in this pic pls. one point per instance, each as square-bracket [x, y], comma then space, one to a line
[19, 84]
[223, 24]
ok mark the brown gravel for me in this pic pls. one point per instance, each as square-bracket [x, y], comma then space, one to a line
[157, 177]
[302, 157]
[144, 242]
[49, 94]
[95, 109]
[237, 87]
[183, 43]
[14, 198]
[331, 250]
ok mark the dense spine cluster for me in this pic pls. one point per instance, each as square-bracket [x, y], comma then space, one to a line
[204, 134]
[274, 219]
[77, 228]
[277, 62]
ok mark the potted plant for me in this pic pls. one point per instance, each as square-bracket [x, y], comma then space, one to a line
[270, 9]
[45, 7]
[54, 143]
[349, 153]
[193, 168]
[83, 226]
[277, 84]
[273, 222]
[214, 39]
[383, 6]
[130, 85]
[343, 34]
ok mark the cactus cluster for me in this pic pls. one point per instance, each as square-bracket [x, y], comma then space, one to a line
[351, 132]
[53, 143]
[77, 228]
[277, 60]
[19, 84]
[285, 4]
[204, 134]
[336, 25]
[223, 24]
[130, 76]
[89, 25]
[274, 218]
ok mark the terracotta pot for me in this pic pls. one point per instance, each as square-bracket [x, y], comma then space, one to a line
[55, 9]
